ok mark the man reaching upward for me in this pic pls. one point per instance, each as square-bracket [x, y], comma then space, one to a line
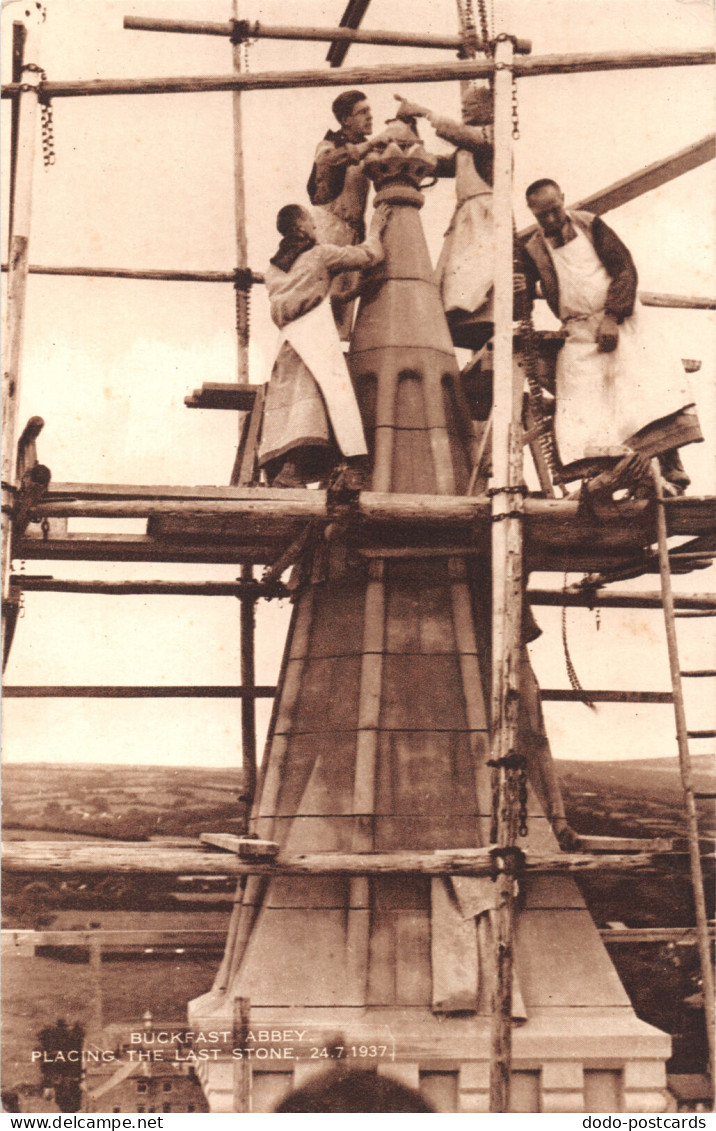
[311, 408]
[338, 189]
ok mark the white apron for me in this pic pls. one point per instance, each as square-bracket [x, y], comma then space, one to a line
[464, 272]
[315, 339]
[604, 398]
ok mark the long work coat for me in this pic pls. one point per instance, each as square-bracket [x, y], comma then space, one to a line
[637, 396]
[310, 400]
[464, 272]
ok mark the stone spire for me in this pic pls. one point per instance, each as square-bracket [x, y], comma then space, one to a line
[379, 741]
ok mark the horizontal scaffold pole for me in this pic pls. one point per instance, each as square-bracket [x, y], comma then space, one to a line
[38, 584]
[684, 515]
[113, 691]
[256, 30]
[607, 599]
[142, 857]
[175, 937]
[167, 274]
[567, 695]
[357, 76]
[172, 275]
[586, 599]
[264, 691]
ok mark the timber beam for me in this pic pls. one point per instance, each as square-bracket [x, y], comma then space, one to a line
[248, 29]
[255, 525]
[174, 275]
[584, 599]
[53, 857]
[212, 938]
[566, 64]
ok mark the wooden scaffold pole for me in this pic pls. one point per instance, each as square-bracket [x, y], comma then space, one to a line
[682, 737]
[567, 64]
[18, 263]
[506, 583]
[247, 602]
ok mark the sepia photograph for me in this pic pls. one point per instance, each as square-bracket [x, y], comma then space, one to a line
[358, 543]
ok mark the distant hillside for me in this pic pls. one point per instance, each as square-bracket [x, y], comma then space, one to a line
[122, 802]
[637, 797]
[640, 797]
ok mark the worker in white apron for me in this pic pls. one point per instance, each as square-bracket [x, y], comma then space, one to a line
[311, 418]
[465, 269]
[617, 387]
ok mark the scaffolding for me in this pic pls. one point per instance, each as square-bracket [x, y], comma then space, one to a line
[267, 527]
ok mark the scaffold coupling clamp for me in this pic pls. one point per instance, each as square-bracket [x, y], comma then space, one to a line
[507, 861]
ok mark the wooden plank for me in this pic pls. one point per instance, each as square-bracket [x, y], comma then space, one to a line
[641, 181]
[681, 936]
[118, 939]
[677, 302]
[208, 939]
[245, 470]
[58, 857]
[242, 846]
[687, 515]
[159, 691]
[216, 394]
[351, 19]
[143, 548]
[357, 76]
[625, 844]
[652, 177]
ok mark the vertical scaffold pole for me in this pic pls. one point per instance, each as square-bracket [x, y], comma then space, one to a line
[687, 784]
[18, 264]
[247, 628]
[506, 577]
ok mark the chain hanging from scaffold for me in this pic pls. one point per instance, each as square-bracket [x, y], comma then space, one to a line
[242, 295]
[515, 111]
[246, 44]
[468, 31]
[48, 133]
[484, 23]
[571, 670]
[534, 388]
[522, 829]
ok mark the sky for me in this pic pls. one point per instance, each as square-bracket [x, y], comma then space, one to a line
[147, 181]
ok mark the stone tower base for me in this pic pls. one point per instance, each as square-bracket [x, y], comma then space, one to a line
[561, 1062]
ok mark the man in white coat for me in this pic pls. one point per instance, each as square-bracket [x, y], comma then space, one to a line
[618, 388]
[311, 417]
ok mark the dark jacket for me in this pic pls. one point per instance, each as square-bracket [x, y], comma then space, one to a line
[538, 266]
[334, 172]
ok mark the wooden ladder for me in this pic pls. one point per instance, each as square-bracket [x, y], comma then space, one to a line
[682, 735]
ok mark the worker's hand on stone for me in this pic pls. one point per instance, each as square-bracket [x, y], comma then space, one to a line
[408, 110]
[380, 219]
[608, 334]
